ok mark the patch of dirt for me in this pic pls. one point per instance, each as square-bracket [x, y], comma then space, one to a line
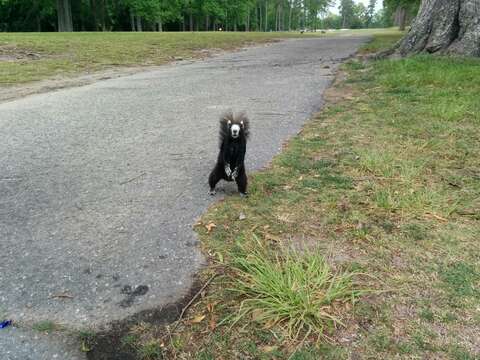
[339, 92]
[12, 53]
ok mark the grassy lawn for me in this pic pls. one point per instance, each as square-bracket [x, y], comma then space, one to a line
[27, 57]
[362, 239]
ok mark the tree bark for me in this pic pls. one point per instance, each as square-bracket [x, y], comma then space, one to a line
[139, 23]
[132, 21]
[93, 5]
[64, 13]
[444, 26]
[266, 15]
[400, 17]
[103, 24]
[276, 18]
[39, 23]
[258, 11]
[290, 16]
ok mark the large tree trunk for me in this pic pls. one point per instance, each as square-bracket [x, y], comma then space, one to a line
[445, 26]
[64, 11]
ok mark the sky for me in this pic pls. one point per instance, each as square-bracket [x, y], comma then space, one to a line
[365, 2]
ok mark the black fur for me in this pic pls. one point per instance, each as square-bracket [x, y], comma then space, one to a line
[230, 162]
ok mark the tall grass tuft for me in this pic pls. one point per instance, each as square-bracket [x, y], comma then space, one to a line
[295, 289]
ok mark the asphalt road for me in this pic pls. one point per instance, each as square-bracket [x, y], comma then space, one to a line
[100, 185]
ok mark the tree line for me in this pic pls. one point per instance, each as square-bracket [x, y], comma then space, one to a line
[190, 15]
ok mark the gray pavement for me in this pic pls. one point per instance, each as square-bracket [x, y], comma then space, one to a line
[100, 185]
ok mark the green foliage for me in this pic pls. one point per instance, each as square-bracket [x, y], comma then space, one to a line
[121, 15]
[189, 15]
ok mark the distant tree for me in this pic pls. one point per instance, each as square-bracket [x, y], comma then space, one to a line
[401, 10]
[139, 15]
[64, 14]
[332, 21]
[370, 13]
[347, 12]
[359, 18]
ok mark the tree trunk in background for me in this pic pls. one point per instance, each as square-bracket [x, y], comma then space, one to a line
[445, 26]
[277, 8]
[39, 22]
[102, 17]
[282, 18]
[93, 5]
[190, 21]
[207, 22]
[64, 13]
[400, 17]
[266, 15]
[247, 24]
[160, 25]
[258, 10]
[290, 16]
[132, 20]
[139, 23]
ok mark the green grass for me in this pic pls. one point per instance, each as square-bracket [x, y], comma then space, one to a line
[66, 54]
[291, 288]
[69, 54]
[385, 181]
[382, 40]
[46, 326]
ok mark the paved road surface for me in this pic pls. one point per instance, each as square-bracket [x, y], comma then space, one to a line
[100, 185]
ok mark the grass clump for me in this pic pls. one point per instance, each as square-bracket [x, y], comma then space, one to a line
[461, 279]
[46, 326]
[296, 289]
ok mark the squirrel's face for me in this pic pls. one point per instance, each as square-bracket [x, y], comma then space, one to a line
[235, 129]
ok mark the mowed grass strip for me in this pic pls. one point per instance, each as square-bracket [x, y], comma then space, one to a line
[380, 195]
[36, 56]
